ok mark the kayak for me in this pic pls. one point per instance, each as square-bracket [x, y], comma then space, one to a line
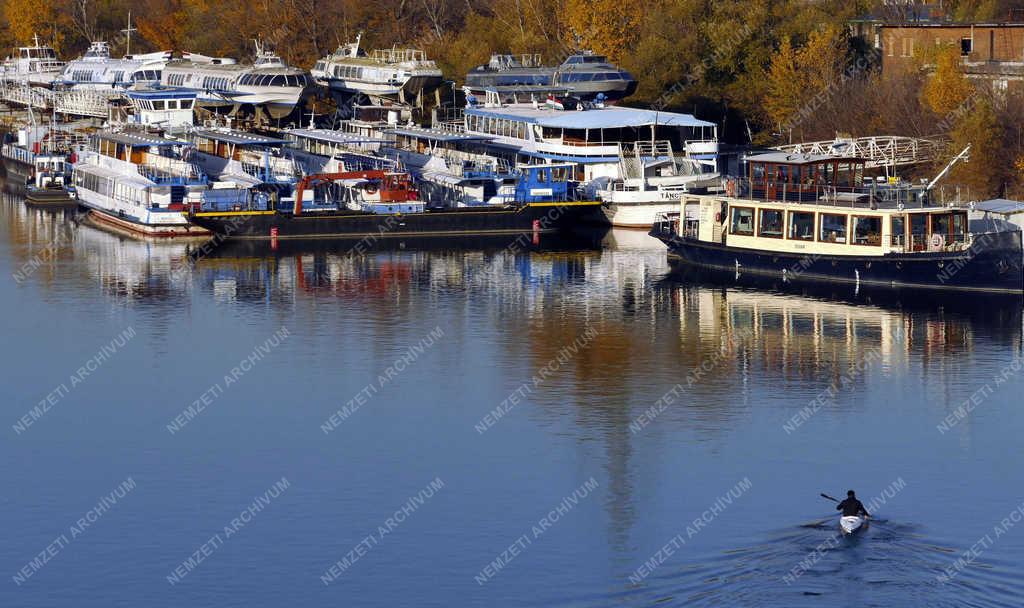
[851, 523]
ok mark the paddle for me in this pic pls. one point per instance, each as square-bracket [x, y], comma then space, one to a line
[824, 495]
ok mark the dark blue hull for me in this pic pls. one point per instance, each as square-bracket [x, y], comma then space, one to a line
[994, 265]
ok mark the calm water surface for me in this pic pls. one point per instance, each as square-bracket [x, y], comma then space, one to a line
[504, 435]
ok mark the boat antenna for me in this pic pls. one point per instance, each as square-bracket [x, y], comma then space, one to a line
[128, 35]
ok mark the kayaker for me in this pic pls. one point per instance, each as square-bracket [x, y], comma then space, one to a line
[851, 507]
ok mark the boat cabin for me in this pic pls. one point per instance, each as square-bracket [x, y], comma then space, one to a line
[545, 183]
[826, 229]
[802, 177]
[158, 159]
[162, 107]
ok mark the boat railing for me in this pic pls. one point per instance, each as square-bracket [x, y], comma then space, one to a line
[840, 196]
[19, 154]
[397, 55]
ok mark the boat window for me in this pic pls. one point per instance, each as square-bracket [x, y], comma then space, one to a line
[801, 225]
[867, 230]
[186, 104]
[782, 174]
[742, 221]
[542, 176]
[918, 231]
[158, 104]
[833, 228]
[771, 223]
[278, 81]
[758, 173]
[898, 226]
[559, 174]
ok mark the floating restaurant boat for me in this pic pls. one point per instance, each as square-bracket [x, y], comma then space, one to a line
[379, 204]
[142, 183]
[268, 84]
[584, 75]
[96, 70]
[383, 74]
[639, 162]
[813, 218]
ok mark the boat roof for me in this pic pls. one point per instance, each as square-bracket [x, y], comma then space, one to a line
[238, 138]
[1001, 206]
[334, 137]
[139, 140]
[438, 135]
[612, 117]
[799, 159]
[168, 93]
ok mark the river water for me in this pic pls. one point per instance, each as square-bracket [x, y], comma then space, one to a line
[489, 423]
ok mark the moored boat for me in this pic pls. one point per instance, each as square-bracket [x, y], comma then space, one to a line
[379, 204]
[807, 218]
[141, 183]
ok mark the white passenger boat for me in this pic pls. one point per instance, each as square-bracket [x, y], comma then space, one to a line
[268, 85]
[392, 74]
[242, 158]
[97, 70]
[141, 183]
[35, 65]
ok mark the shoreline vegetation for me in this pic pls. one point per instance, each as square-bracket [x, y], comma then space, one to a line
[767, 71]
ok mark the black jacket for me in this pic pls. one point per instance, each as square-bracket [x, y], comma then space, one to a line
[851, 507]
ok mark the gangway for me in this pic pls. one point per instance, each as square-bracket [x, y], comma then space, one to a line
[885, 151]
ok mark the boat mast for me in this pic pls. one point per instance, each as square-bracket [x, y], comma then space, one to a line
[128, 35]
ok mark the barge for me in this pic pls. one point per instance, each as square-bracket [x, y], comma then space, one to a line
[379, 204]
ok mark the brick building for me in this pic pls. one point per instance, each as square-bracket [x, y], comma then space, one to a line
[989, 51]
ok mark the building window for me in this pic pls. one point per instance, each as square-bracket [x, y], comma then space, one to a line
[966, 46]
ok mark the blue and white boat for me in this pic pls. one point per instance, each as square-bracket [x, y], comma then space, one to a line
[96, 70]
[142, 183]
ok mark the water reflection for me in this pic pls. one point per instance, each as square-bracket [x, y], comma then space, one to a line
[753, 352]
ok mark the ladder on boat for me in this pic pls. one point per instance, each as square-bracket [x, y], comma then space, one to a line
[635, 157]
[881, 151]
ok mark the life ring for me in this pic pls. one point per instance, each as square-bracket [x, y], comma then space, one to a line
[938, 241]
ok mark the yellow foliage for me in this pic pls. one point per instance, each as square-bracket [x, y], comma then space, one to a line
[948, 88]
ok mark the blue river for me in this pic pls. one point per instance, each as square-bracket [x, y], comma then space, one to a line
[489, 422]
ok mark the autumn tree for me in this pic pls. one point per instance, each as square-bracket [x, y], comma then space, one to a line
[987, 170]
[948, 88]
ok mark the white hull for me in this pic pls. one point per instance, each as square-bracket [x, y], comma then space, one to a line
[137, 219]
[850, 524]
[637, 215]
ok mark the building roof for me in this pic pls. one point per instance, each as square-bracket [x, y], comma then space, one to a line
[334, 137]
[139, 140]
[1001, 206]
[613, 117]
[239, 138]
[798, 159]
